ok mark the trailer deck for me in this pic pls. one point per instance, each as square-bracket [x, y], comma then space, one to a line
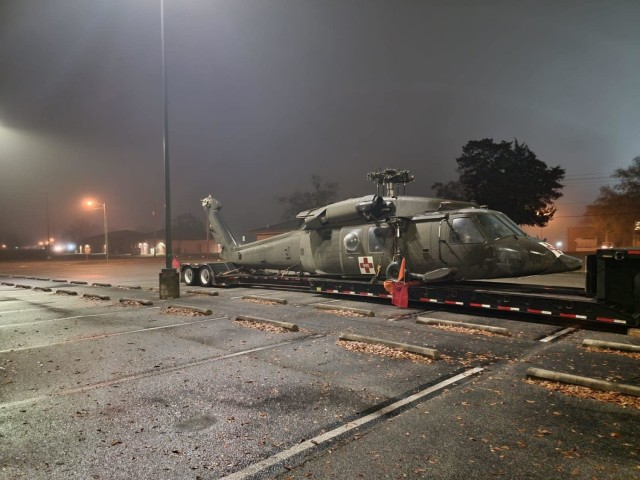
[611, 294]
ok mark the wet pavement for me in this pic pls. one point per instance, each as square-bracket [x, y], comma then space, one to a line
[95, 387]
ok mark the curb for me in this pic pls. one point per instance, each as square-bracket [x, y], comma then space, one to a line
[23, 286]
[427, 352]
[361, 311]
[42, 289]
[203, 311]
[96, 297]
[286, 325]
[592, 383]
[280, 301]
[65, 292]
[136, 300]
[101, 284]
[626, 347]
[485, 328]
[198, 292]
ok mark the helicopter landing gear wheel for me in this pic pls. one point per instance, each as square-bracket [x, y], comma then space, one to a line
[393, 270]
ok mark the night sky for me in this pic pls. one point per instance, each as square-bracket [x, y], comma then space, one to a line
[264, 93]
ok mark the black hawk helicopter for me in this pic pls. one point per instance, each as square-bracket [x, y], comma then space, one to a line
[370, 236]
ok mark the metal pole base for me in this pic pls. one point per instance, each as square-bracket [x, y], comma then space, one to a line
[169, 283]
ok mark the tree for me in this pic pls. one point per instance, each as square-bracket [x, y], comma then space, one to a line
[508, 177]
[451, 190]
[187, 227]
[323, 192]
[616, 210]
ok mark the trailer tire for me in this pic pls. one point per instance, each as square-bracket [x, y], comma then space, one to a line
[189, 275]
[206, 276]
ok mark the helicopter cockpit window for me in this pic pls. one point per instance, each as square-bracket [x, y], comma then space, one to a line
[464, 230]
[378, 238]
[353, 242]
[499, 226]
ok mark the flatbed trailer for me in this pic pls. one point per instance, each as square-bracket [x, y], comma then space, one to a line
[611, 294]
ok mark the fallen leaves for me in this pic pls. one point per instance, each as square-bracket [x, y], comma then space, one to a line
[185, 312]
[587, 393]
[264, 327]
[261, 301]
[468, 331]
[541, 432]
[128, 303]
[634, 355]
[346, 313]
[382, 350]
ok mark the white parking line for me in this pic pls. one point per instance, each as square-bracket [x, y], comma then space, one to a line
[107, 335]
[551, 338]
[19, 311]
[325, 301]
[63, 318]
[140, 376]
[330, 435]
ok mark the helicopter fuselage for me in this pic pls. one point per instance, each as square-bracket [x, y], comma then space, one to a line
[367, 237]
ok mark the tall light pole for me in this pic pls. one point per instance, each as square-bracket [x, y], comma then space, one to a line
[92, 203]
[169, 278]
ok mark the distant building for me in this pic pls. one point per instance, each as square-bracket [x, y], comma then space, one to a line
[582, 238]
[128, 242]
[181, 246]
[121, 242]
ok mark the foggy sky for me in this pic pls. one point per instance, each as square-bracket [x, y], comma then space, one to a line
[264, 93]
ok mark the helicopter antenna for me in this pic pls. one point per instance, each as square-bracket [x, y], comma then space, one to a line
[389, 179]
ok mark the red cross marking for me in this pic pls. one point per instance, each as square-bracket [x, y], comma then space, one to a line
[366, 265]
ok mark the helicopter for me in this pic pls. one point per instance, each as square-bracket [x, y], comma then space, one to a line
[389, 235]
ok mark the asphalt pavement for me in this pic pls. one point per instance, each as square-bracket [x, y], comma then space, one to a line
[100, 379]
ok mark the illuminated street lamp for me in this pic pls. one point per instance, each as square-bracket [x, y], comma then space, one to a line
[95, 206]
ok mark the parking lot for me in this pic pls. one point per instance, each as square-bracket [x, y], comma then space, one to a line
[100, 379]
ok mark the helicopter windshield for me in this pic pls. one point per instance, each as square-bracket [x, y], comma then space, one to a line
[497, 225]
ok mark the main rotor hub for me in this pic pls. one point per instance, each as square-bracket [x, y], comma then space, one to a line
[389, 180]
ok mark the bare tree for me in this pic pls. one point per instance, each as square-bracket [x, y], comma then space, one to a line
[615, 212]
[322, 193]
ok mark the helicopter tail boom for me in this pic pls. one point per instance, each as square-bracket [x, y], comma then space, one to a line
[218, 227]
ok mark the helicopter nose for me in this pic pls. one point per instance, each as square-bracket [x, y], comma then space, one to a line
[565, 263]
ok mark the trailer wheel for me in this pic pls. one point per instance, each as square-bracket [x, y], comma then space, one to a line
[189, 276]
[206, 277]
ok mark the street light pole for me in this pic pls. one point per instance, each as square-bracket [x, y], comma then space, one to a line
[165, 147]
[169, 277]
[106, 234]
[91, 203]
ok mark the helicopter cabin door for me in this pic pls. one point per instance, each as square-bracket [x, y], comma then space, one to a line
[460, 238]
[363, 248]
